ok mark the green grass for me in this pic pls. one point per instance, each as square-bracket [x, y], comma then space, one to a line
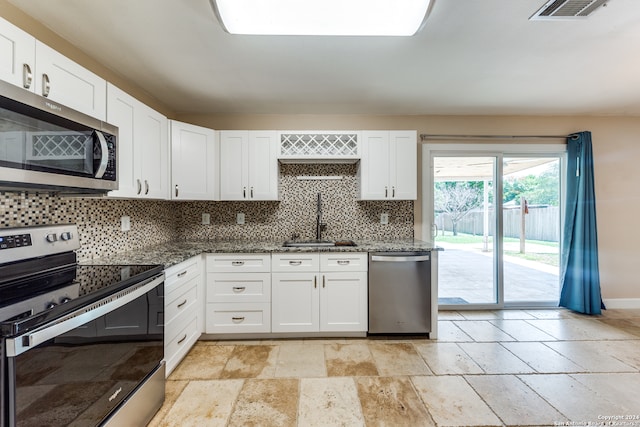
[549, 259]
[463, 238]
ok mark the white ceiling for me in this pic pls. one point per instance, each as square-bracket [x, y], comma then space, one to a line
[472, 57]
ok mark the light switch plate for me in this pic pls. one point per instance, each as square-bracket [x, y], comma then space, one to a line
[125, 223]
[384, 218]
[206, 219]
[240, 218]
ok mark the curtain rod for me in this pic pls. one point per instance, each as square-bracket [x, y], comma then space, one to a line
[425, 136]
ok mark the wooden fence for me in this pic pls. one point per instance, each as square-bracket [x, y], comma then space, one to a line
[541, 223]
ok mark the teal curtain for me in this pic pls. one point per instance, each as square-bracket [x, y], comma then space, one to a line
[579, 262]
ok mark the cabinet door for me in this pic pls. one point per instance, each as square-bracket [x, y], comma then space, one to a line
[403, 171]
[343, 302]
[234, 154]
[64, 81]
[152, 150]
[263, 165]
[295, 302]
[121, 109]
[374, 166]
[193, 162]
[17, 49]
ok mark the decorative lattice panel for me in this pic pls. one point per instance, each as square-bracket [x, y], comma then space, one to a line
[59, 146]
[318, 144]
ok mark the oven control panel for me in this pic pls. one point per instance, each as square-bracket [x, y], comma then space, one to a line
[22, 243]
[15, 241]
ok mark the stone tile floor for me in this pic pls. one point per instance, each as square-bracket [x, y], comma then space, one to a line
[489, 368]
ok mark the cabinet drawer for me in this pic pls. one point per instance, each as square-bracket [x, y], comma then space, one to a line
[238, 287]
[180, 342]
[295, 262]
[179, 274]
[236, 263]
[182, 301]
[343, 261]
[238, 317]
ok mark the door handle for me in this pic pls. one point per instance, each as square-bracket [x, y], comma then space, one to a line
[182, 303]
[176, 190]
[104, 160]
[139, 186]
[146, 186]
[252, 192]
[46, 85]
[27, 76]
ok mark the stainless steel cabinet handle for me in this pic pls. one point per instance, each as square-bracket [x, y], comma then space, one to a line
[252, 192]
[27, 76]
[176, 190]
[393, 191]
[239, 288]
[104, 160]
[323, 281]
[182, 339]
[182, 273]
[146, 186]
[244, 192]
[237, 263]
[238, 319]
[386, 192]
[139, 186]
[182, 303]
[315, 282]
[46, 85]
[400, 258]
[295, 263]
[343, 262]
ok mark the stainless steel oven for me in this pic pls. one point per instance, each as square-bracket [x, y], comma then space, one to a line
[81, 344]
[45, 145]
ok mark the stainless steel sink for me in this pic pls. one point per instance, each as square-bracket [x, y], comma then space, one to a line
[317, 243]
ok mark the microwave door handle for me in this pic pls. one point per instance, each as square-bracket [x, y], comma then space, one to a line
[105, 154]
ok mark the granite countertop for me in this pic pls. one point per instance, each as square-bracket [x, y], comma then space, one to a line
[172, 253]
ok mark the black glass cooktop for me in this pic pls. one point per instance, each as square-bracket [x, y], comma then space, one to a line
[44, 297]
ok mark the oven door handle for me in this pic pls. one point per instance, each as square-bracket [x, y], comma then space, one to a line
[25, 342]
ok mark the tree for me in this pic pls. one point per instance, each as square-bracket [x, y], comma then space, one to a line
[541, 189]
[457, 199]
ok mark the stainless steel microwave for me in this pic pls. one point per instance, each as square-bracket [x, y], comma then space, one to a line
[47, 146]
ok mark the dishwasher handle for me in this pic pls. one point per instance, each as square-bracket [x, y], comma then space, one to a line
[405, 258]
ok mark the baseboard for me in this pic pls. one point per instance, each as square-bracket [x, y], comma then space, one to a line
[622, 303]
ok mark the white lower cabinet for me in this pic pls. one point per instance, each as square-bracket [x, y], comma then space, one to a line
[183, 312]
[238, 293]
[319, 292]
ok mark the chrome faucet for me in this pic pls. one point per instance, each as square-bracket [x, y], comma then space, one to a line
[319, 224]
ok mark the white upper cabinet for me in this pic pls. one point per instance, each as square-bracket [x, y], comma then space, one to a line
[248, 165]
[62, 80]
[18, 52]
[388, 169]
[194, 160]
[32, 65]
[143, 150]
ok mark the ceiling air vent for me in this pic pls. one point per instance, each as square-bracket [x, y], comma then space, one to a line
[567, 9]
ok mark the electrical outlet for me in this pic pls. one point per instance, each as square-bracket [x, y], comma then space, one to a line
[125, 223]
[384, 218]
[240, 218]
[206, 219]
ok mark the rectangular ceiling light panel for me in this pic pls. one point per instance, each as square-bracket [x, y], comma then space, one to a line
[322, 17]
[567, 9]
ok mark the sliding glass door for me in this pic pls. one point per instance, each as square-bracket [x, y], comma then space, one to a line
[465, 226]
[496, 211]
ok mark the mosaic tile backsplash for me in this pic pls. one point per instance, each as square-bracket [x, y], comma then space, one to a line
[154, 222]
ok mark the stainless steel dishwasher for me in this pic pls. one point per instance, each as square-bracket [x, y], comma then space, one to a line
[399, 292]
